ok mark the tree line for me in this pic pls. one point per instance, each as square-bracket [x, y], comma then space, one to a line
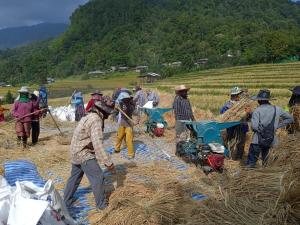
[153, 32]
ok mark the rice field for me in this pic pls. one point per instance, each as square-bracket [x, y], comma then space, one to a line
[210, 89]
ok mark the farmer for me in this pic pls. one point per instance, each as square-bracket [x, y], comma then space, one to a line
[125, 130]
[43, 96]
[77, 102]
[294, 109]
[139, 101]
[86, 148]
[236, 136]
[152, 96]
[265, 120]
[96, 96]
[2, 110]
[21, 110]
[182, 109]
[35, 122]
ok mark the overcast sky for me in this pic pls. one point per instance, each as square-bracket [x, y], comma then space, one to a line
[28, 12]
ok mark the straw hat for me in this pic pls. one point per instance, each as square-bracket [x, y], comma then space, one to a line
[23, 90]
[236, 91]
[181, 87]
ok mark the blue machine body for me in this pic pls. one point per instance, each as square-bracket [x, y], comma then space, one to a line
[155, 116]
[209, 131]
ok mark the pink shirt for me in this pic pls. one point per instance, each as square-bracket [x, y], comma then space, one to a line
[21, 109]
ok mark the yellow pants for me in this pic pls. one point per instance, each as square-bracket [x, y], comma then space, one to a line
[127, 133]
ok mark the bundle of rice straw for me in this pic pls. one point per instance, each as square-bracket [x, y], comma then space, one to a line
[237, 111]
[140, 204]
[295, 111]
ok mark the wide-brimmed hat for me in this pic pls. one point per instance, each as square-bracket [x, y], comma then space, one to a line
[236, 91]
[97, 92]
[296, 90]
[181, 87]
[104, 107]
[263, 95]
[124, 95]
[23, 90]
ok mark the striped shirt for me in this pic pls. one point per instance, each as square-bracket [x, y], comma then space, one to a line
[87, 141]
[182, 108]
[140, 98]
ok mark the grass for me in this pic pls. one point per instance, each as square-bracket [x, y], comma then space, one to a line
[210, 89]
[65, 87]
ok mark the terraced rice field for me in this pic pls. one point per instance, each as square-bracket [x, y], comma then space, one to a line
[211, 88]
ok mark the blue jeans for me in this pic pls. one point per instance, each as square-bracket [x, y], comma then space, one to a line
[96, 178]
[254, 152]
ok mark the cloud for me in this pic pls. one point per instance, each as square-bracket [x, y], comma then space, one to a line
[29, 12]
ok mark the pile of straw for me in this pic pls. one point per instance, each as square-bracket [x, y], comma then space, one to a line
[263, 196]
[237, 111]
[138, 204]
[64, 139]
[158, 198]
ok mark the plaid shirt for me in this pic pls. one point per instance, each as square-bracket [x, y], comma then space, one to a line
[182, 108]
[87, 141]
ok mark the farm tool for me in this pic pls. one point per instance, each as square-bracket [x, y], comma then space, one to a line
[155, 123]
[205, 147]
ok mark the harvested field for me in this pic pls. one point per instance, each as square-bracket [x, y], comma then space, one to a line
[157, 187]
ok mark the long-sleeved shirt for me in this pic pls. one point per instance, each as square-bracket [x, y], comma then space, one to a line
[152, 96]
[127, 108]
[36, 108]
[21, 109]
[140, 98]
[182, 108]
[263, 115]
[87, 141]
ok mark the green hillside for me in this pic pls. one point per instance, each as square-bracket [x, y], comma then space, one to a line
[152, 32]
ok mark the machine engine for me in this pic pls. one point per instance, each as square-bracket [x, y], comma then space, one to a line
[201, 155]
[155, 124]
[205, 146]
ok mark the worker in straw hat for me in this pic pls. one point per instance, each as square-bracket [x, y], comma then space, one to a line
[22, 109]
[182, 109]
[235, 136]
[125, 131]
[265, 120]
[96, 96]
[86, 149]
[294, 109]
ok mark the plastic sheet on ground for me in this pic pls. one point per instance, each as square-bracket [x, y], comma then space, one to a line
[64, 113]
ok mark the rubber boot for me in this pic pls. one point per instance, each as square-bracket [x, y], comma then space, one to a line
[24, 142]
[19, 140]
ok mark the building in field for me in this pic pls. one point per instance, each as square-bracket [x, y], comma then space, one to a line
[149, 78]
